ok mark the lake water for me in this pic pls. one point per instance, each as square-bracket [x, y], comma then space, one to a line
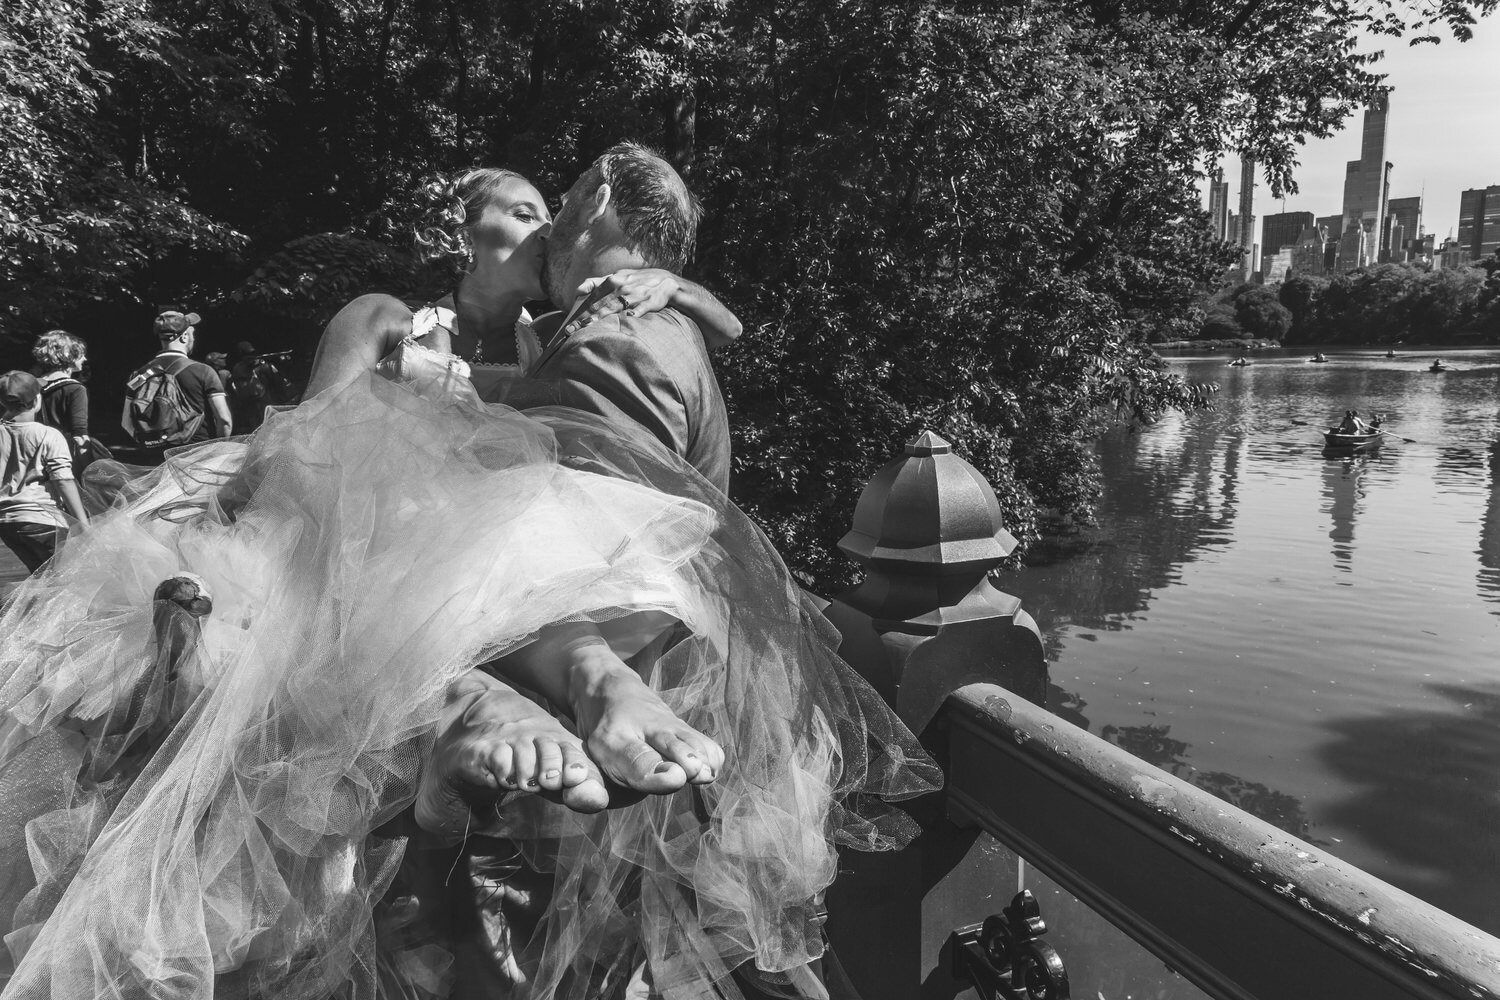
[1316, 639]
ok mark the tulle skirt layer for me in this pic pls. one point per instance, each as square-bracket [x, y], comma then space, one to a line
[198, 807]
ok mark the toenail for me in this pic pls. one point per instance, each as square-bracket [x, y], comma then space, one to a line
[530, 782]
[578, 767]
[691, 756]
[551, 774]
[661, 768]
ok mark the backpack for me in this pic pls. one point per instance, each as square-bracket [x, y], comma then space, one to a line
[157, 411]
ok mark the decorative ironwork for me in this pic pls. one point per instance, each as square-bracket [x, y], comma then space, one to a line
[1003, 958]
[928, 530]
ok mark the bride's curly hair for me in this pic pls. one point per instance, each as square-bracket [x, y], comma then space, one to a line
[448, 203]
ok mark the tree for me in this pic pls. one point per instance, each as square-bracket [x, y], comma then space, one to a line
[1261, 315]
[1301, 294]
[969, 216]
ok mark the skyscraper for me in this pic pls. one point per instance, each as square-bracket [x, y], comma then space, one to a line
[1218, 206]
[1479, 221]
[1364, 193]
[1281, 230]
[1408, 212]
[1247, 217]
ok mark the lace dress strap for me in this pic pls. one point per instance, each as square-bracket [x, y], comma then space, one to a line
[528, 347]
[412, 359]
[426, 317]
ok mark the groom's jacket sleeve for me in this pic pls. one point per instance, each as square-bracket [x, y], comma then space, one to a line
[616, 372]
[652, 370]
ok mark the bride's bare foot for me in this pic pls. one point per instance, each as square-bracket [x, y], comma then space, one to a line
[493, 741]
[631, 734]
[635, 738]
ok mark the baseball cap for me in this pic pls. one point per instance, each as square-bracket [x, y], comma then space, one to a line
[171, 323]
[18, 391]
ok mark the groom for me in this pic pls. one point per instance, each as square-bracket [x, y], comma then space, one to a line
[631, 209]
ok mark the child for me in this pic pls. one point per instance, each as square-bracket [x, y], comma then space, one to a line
[36, 469]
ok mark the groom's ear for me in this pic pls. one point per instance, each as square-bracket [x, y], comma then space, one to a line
[598, 205]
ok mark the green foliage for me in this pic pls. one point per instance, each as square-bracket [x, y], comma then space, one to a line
[1260, 314]
[309, 279]
[1392, 302]
[75, 227]
[1245, 311]
[949, 214]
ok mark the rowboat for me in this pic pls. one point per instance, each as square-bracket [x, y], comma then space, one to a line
[1239, 362]
[1438, 366]
[1353, 442]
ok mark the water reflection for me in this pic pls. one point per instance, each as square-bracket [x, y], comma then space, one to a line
[1489, 536]
[1459, 466]
[1180, 485]
[1152, 744]
[1427, 800]
[1341, 496]
[1203, 625]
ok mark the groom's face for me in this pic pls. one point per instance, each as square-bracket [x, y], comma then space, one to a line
[562, 246]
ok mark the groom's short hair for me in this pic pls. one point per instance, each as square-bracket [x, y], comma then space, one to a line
[658, 214]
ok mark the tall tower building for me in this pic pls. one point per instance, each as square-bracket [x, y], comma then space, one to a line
[1218, 205]
[1364, 193]
[1408, 212]
[1247, 217]
[1479, 221]
[1405, 215]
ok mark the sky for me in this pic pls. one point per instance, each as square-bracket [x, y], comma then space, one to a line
[1442, 135]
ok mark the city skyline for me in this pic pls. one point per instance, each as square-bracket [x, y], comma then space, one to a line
[1443, 134]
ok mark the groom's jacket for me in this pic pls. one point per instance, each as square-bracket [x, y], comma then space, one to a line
[651, 369]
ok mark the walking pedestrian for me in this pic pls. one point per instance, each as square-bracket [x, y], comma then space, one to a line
[36, 472]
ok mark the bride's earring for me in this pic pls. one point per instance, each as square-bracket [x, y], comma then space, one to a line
[468, 246]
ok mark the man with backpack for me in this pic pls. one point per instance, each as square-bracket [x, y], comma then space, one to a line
[173, 400]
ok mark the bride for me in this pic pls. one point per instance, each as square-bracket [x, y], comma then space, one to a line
[211, 806]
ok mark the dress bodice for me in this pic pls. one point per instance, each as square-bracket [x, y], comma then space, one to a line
[412, 361]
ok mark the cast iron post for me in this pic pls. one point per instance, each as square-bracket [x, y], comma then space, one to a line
[925, 620]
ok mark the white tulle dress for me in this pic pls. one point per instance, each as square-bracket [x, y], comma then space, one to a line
[224, 821]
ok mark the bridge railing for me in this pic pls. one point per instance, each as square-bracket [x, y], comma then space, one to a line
[1234, 905]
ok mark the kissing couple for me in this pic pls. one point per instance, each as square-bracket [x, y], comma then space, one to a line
[483, 585]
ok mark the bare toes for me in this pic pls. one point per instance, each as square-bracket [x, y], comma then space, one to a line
[649, 771]
[577, 768]
[588, 796]
[549, 764]
[524, 770]
[499, 765]
[679, 751]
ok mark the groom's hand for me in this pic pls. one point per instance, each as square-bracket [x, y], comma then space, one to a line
[632, 292]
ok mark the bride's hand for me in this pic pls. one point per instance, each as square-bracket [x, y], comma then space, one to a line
[632, 291]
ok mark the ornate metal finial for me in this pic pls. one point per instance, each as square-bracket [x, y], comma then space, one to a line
[927, 444]
[927, 529]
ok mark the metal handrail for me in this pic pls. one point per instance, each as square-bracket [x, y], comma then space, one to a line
[1240, 908]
